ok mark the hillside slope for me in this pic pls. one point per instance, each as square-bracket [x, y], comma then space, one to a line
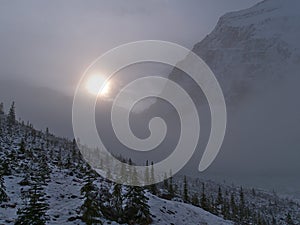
[44, 180]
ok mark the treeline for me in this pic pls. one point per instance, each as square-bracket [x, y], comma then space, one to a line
[228, 205]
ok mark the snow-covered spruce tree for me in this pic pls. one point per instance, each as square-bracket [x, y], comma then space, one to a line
[171, 186]
[185, 190]
[166, 181]
[36, 177]
[289, 219]
[45, 169]
[134, 177]
[11, 119]
[204, 201]
[225, 209]
[118, 201]
[111, 203]
[91, 211]
[75, 151]
[233, 207]
[1, 108]
[242, 208]
[195, 199]
[5, 169]
[147, 177]
[22, 146]
[105, 202]
[219, 200]
[1, 130]
[35, 206]
[34, 211]
[152, 188]
[1, 116]
[137, 210]
[3, 196]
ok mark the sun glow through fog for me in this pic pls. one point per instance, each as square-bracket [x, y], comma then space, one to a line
[96, 84]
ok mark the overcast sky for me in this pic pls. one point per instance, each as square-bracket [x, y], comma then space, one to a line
[50, 43]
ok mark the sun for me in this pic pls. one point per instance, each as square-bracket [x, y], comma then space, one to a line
[96, 84]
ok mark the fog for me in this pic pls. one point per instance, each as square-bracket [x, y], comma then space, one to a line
[46, 46]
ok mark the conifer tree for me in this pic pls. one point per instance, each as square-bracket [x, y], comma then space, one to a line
[166, 182]
[147, 177]
[118, 201]
[5, 169]
[1, 113]
[105, 198]
[68, 163]
[195, 199]
[123, 176]
[1, 108]
[35, 208]
[253, 192]
[233, 206]
[45, 170]
[47, 138]
[134, 178]
[219, 200]
[289, 219]
[204, 201]
[3, 196]
[22, 146]
[171, 187]
[153, 188]
[11, 115]
[1, 126]
[90, 209]
[225, 210]
[242, 205]
[137, 210]
[59, 159]
[75, 153]
[129, 170]
[185, 190]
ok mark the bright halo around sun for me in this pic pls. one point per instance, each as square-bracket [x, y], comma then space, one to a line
[96, 84]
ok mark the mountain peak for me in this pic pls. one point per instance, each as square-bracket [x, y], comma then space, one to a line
[247, 48]
[269, 17]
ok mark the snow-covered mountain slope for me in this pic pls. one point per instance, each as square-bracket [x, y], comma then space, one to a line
[63, 193]
[172, 212]
[251, 48]
[44, 180]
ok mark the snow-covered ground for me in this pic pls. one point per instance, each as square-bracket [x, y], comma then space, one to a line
[63, 193]
[172, 212]
[62, 189]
